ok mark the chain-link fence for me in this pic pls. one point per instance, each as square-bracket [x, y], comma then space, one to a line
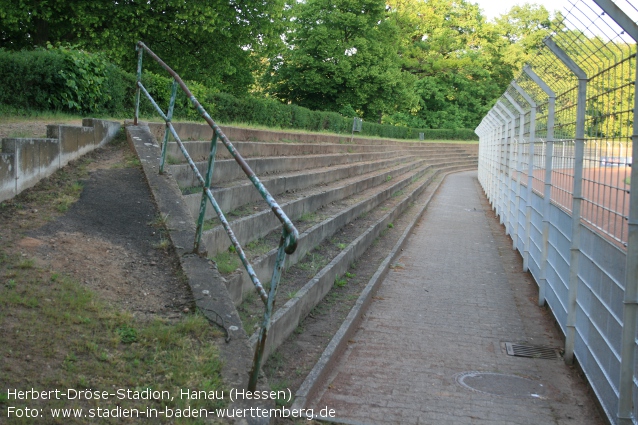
[559, 145]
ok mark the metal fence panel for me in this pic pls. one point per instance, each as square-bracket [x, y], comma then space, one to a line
[556, 156]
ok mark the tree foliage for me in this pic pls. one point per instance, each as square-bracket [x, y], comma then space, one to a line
[216, 42]
[341, 56]
[417, 63]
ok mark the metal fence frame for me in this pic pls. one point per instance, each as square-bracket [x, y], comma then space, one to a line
[541, 164]
[290, 235]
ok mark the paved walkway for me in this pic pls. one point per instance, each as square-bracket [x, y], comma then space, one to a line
[449, 307]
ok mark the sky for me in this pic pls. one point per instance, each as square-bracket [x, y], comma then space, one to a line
[494, 8]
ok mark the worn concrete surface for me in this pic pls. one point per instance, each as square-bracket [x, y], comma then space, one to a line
[447, 307]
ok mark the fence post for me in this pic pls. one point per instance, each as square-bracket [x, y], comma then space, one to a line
[507, 176]
[496, 143]
[630, 310]
[530, 171]
[577, 195]
[502, 160]
[493, 134]
[519, 163]
[547, 192]
[630, 301]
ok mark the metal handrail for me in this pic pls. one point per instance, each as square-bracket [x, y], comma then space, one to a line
[290, 235]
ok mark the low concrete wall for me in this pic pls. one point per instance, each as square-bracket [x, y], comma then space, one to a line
[25, 161]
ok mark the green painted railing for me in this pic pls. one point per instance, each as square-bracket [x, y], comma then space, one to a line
[290, 235]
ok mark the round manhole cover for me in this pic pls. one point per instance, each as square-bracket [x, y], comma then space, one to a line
[502, 385]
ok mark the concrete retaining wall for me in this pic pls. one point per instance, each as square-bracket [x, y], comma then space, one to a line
[25, 161]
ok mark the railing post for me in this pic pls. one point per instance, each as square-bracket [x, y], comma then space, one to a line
[530, 172]
[630, 310]
[207, 180]
[270, 305]
[169, 116]
[508, 167]
[139, 80]
[577, 195]
[519, 163]
[547, 192]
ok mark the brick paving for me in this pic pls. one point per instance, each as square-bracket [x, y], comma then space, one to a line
[447, 307]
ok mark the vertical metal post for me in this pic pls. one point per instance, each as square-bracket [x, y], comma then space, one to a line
[630, 310]
[169, 117]
[630, 301]
[519, 164]
[496, 155]
[530, 171]
[547, 192]
[139, 81]
[501, 167]
[270, 305]
[577, 196]
[202, 205]
[494, 127]
[508, 168]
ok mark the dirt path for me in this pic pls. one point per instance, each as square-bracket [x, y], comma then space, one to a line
[111, 239]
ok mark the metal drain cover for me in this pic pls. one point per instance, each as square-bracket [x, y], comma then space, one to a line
[503, 385]
[533, 351]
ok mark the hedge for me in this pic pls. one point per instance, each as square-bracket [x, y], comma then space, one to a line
[74, 81]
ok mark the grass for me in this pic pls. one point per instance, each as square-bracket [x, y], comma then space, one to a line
[21, 134]
[60, 334]
[312, 262]
[341, 282]
[258, 247]
[171, 160]
[249, 321]
[227, 261]
[74, 340]
[308, 217]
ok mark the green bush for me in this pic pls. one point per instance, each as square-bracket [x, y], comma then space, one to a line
[62, 79]
[75, 81]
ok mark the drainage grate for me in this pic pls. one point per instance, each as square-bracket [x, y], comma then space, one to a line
[534, 351]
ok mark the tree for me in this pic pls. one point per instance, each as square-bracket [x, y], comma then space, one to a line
[216, 42]
[521, 32]
[449, 47]
[341, 55]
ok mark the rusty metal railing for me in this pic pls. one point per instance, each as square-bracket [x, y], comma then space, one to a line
[290, 235]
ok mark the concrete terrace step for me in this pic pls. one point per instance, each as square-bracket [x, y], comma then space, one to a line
[199, 150]
[228, 170]
[288, 317]
[257, 225]
[239, 284]
[307, 201]
[242, 192]
[340, 196]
